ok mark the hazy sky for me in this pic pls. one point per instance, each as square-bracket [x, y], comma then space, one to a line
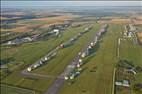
[14, 4]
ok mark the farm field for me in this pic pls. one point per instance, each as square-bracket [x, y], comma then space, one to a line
[99, 82]
[64, 56]
[23, 22]
[46, 20]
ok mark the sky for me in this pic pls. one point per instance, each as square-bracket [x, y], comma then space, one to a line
[14, 4]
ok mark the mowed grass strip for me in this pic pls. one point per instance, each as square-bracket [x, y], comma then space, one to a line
[99, 82]
[65, 55]
[14, 90]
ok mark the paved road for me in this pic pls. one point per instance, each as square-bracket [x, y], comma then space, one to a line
[54, 88]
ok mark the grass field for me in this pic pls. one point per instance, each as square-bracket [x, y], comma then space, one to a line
[139, 33]
[25, 53]
[99, 82]
[29, 53]
[139, 27]
[131, 52]
[139, 36]
[64, 56]
[36, 84]
[14, 90]
[104, 61]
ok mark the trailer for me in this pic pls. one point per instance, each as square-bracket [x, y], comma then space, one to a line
[66, 44]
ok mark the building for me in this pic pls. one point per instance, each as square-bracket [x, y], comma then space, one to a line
[11, 42]
[132, 28]
[118, 83]
[125, 31]
[132, 71]
[124, 83]
[66, 78]
[129, 34]
[27, 39]
[56, 31]
[92, 44]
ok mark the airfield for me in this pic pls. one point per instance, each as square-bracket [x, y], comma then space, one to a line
[53, 63]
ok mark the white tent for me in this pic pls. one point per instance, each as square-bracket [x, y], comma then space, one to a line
[29, 69]
[66, 78]
[83, 55]
[80, 60]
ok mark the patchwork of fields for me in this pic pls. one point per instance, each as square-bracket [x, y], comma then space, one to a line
[71, 47]
[16, 79]
[103, 62]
